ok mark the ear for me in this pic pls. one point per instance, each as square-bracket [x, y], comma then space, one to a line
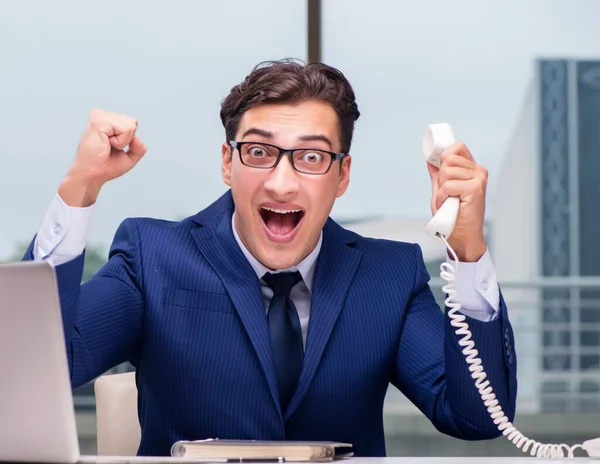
[226, 161]
[344, 179]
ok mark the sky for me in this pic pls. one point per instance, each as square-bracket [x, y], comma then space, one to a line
[169, 64]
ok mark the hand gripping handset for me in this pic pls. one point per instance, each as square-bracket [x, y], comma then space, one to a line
[437, 137]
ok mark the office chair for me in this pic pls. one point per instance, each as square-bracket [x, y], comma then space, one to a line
[117, 425]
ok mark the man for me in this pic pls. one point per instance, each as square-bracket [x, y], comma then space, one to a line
[225, 345]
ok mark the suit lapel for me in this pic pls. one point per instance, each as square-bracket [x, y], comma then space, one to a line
[336, 266]
[217, 243]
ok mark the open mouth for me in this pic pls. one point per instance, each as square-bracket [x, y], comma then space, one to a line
[281, 223]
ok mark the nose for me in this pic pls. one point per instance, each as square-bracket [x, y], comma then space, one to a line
[283, 180]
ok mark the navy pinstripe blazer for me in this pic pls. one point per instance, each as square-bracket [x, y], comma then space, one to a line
[180, 301]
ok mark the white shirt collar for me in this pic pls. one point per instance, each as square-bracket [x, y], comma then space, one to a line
[306, 267]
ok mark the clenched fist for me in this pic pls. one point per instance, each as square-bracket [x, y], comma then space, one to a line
[108, 149]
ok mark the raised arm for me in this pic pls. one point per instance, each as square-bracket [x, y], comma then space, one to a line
[103, 317]
[432, 372]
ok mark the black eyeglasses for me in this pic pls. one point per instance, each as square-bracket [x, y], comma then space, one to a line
[266, 156]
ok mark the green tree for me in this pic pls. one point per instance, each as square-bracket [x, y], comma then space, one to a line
[95, 258]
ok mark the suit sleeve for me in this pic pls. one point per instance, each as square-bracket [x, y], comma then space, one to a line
[102, 317]
[432, 372]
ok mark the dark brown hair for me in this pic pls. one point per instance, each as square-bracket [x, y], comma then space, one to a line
[292, 81]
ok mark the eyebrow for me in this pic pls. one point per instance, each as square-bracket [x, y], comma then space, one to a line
[270, 135]
[259, 132]
[319, 138]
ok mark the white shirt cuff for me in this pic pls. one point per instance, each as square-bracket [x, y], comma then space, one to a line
[63, 233]
[477, 288]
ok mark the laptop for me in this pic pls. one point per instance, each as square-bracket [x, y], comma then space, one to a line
[37, 416]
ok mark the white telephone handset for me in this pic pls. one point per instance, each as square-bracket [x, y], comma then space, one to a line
[437, 137]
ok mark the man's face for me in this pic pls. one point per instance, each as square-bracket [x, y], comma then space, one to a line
[280, 211]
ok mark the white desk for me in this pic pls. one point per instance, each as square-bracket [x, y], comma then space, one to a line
[470, 460]
[395, 460]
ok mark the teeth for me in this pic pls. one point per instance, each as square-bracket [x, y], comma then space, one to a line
[282, 211]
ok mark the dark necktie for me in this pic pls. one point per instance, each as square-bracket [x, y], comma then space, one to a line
[285, 332]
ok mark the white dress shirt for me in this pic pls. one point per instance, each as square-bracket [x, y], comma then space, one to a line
[63, 233]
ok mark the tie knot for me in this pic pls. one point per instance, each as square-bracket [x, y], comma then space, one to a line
[282, 282]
